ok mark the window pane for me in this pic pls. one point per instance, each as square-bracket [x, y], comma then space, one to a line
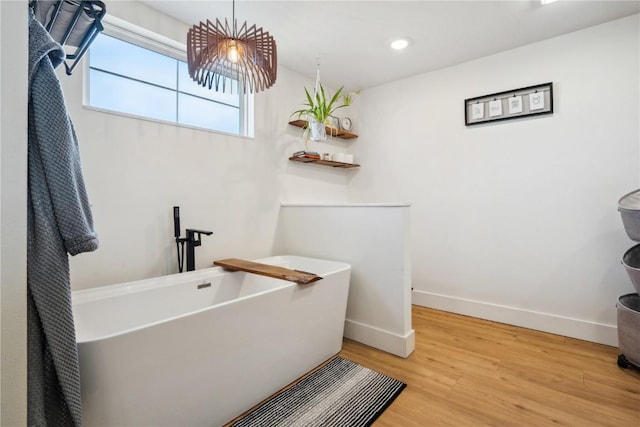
[124, 58]
[188, 85]
[128, 96]
[207, 114]
[127, 78]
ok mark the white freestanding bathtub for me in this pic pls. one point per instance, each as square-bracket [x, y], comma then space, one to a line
[200, 348]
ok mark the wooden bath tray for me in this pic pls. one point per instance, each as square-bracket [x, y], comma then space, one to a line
[234, 264]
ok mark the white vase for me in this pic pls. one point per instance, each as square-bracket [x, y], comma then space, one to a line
[317, 131]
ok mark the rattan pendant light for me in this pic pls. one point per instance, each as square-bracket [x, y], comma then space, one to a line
[218, 51]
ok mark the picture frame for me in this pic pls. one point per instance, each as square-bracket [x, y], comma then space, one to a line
[510, 104]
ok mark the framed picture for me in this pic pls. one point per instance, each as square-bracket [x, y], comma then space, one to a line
[515, 104]
[510, 104]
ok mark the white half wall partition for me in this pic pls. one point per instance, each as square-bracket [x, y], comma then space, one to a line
[374, 239]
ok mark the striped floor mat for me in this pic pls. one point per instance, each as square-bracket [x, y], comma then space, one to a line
[341, 393]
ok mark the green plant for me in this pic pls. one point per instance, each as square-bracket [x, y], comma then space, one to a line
[320, 107]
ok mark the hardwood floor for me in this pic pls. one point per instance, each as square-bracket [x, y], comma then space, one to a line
[472, 372]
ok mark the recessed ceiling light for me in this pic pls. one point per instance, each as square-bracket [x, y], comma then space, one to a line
[543, 2]
[399, 44]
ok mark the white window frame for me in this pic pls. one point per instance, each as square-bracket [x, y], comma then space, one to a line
[139, 36]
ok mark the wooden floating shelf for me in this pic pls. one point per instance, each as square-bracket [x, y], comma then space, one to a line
[324, 162]
[338, 133]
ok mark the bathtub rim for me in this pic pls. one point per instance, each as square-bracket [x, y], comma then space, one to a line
[107, 291]
[181, 279]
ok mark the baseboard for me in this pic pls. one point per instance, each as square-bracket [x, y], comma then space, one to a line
[574, 328]
[383, 340]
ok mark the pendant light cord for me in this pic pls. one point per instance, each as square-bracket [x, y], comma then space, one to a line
[233, 17]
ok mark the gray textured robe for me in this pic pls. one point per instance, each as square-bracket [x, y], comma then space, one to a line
[58, 222]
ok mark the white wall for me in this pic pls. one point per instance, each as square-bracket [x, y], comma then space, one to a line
[13, 213]
[515, 221]
[137, 170]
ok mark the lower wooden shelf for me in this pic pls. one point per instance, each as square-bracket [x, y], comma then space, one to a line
[324, 162]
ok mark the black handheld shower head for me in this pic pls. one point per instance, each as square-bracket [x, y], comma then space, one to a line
[176, 221]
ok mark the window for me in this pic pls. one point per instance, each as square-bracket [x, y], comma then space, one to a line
[127, 78]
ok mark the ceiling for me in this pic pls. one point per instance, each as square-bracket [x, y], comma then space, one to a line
[350, 38]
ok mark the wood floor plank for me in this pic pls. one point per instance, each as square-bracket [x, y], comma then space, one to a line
[473, 372]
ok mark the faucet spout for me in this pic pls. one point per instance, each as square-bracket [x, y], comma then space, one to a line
[205, 232]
